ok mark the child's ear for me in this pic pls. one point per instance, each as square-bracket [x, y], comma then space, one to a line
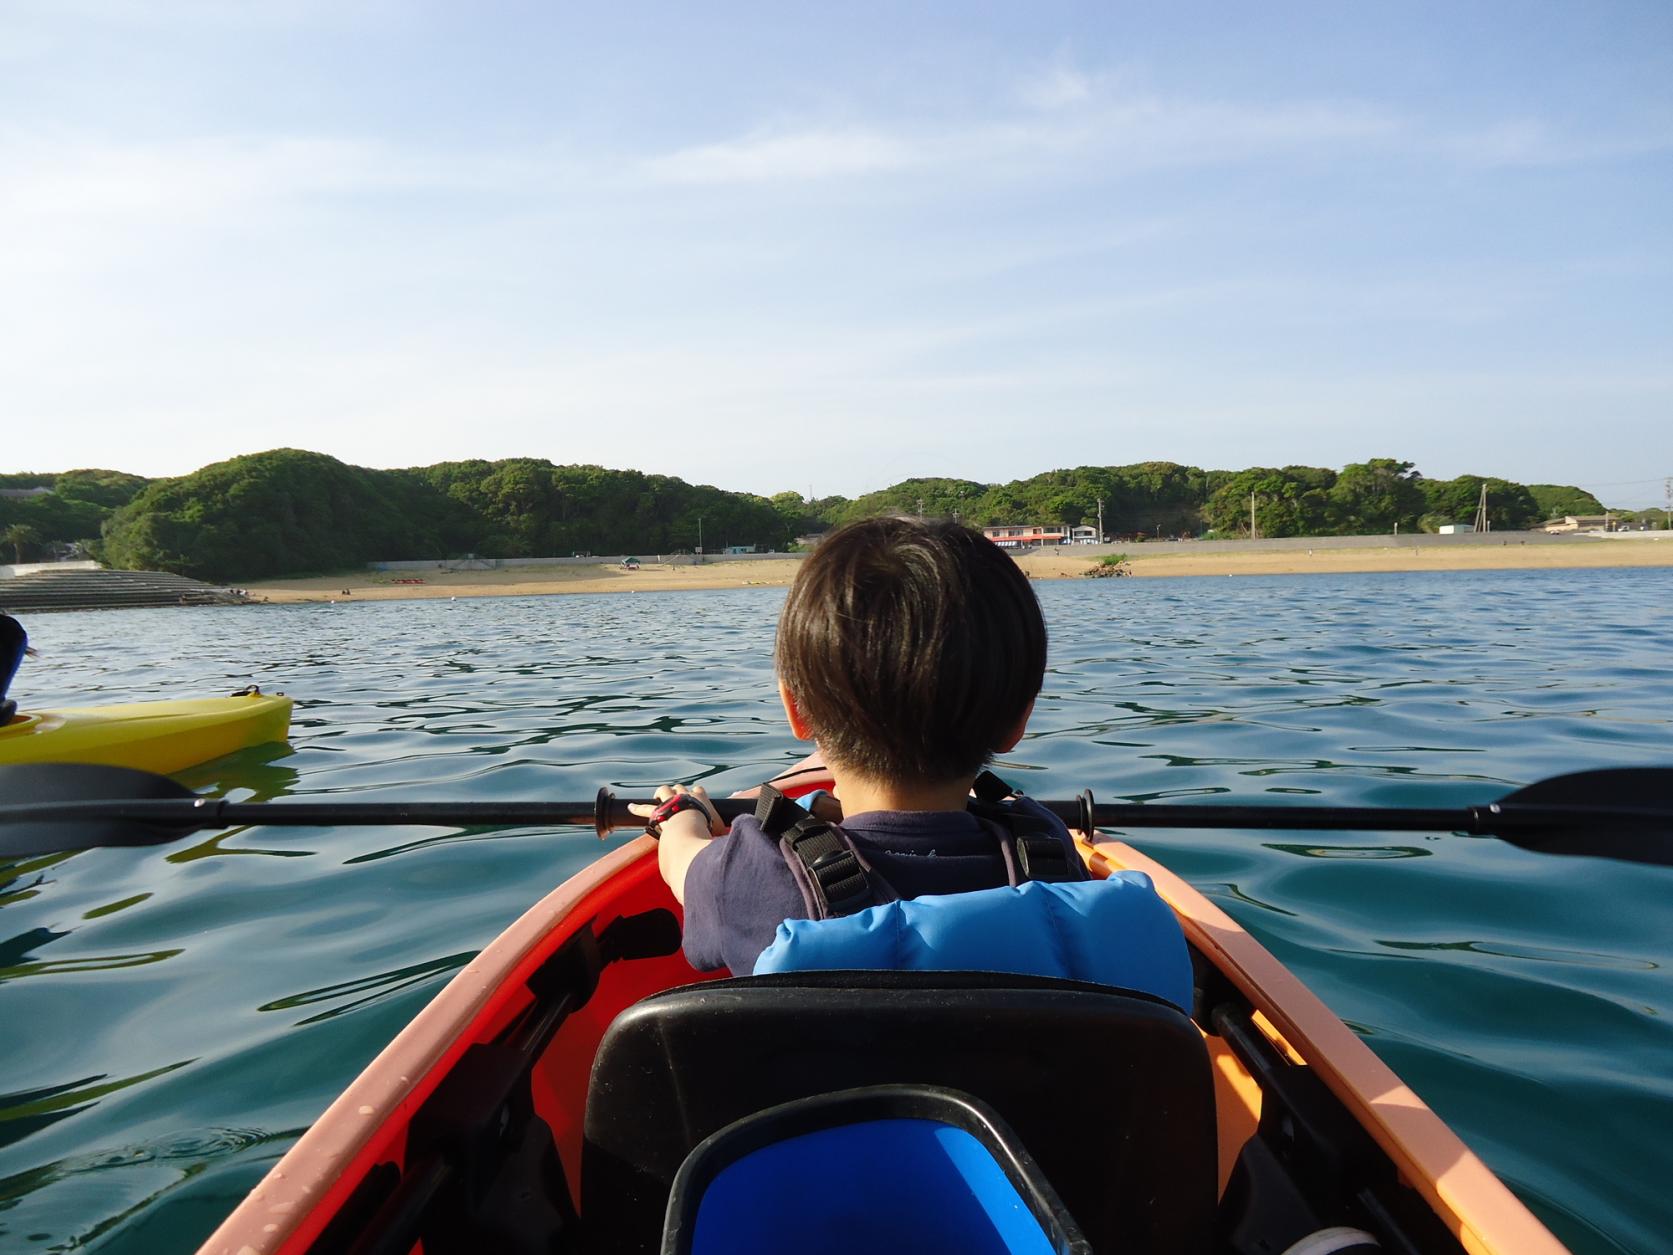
[1015, 734]
[793, 712]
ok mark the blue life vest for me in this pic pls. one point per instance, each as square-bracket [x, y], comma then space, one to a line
[1116, 932]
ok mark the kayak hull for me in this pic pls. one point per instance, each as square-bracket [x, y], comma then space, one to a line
[162, 737]
[332, 1172]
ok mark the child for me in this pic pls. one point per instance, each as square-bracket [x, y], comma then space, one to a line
[910, 652]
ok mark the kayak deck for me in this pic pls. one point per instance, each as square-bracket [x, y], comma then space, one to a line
[162, 737]
[511, 1043]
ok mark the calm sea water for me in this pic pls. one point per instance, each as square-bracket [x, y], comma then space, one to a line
[171, 1019]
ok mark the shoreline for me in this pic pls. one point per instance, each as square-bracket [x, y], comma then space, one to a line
[1161, 563]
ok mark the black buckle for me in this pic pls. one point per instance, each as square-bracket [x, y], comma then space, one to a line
[843, 881]
[835, 868]
[776, 813]
[990, 788]
[1042, 858]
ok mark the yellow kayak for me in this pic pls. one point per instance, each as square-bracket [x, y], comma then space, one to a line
[154, 736]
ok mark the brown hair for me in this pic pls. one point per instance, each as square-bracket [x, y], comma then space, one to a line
[911, 648]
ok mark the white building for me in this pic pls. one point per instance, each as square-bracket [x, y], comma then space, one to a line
[1578, 523]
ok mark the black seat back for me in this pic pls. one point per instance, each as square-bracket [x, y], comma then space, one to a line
[1109, 1091]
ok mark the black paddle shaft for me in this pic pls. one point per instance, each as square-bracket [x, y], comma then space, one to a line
[1615, 813]
[607, 813]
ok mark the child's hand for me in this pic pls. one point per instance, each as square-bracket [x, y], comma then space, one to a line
[682, 834]
[694, 820]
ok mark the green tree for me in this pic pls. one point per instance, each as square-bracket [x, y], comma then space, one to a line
[1510, 506]
[282, 512]
[74, 507]
[1291, 501]
[798, 515]
[1376, 496]
[1556, 500]
[110, 489]
[17, 536]
[933, 498]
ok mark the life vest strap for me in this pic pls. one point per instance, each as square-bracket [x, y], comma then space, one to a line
[836, 880]
[834, 869]
[776, 813]
[1033, 849]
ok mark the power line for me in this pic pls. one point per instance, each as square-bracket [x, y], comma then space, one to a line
[1623, 483]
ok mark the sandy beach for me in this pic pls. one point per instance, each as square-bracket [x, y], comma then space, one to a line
[1144, 561]
[605, 577]
[1167, 560]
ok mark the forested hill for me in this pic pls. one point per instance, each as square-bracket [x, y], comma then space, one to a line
[1166, 499]
[289, 511]
[73, 507]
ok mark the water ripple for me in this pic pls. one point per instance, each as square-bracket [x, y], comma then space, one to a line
[172, 1018]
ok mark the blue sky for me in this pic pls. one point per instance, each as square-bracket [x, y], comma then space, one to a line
[824, 247]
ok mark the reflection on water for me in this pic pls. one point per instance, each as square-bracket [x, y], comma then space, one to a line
[1541, 954]
[216, 846]
[27, 1111]
[1313, 849]
[110, 908]
[373, 987]
[1521, 994]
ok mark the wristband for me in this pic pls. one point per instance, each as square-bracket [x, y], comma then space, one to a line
[673, 806]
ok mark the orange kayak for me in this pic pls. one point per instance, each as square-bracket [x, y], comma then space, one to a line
[548, 1096]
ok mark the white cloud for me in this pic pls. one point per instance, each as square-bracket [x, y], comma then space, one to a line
[1057, 88]
[196, 177]
[1136, 131]
[785, 156]
[1532, 142]
[197, 14]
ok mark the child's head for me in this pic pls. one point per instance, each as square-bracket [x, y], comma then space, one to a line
[912, 650]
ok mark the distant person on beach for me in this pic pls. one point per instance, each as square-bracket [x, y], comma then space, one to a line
[911, 652]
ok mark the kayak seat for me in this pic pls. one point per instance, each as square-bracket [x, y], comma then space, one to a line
[900, 1168]
[1108, 1090]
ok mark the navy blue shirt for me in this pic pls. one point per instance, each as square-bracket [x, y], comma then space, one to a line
[739, 889]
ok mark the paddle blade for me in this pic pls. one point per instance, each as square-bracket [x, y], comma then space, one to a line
[24, 784]
[1629, 815]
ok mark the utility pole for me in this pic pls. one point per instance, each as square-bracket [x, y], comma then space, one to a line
[1253, 534]
[1667, 522]
[699, 535]
[1482, 522]
[1101, 511]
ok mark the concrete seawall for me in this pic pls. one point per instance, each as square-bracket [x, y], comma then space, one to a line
[512, 564]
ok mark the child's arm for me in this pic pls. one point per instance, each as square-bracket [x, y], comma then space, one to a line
[682, 834]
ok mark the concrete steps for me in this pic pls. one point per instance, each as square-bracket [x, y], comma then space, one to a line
[108, 590]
